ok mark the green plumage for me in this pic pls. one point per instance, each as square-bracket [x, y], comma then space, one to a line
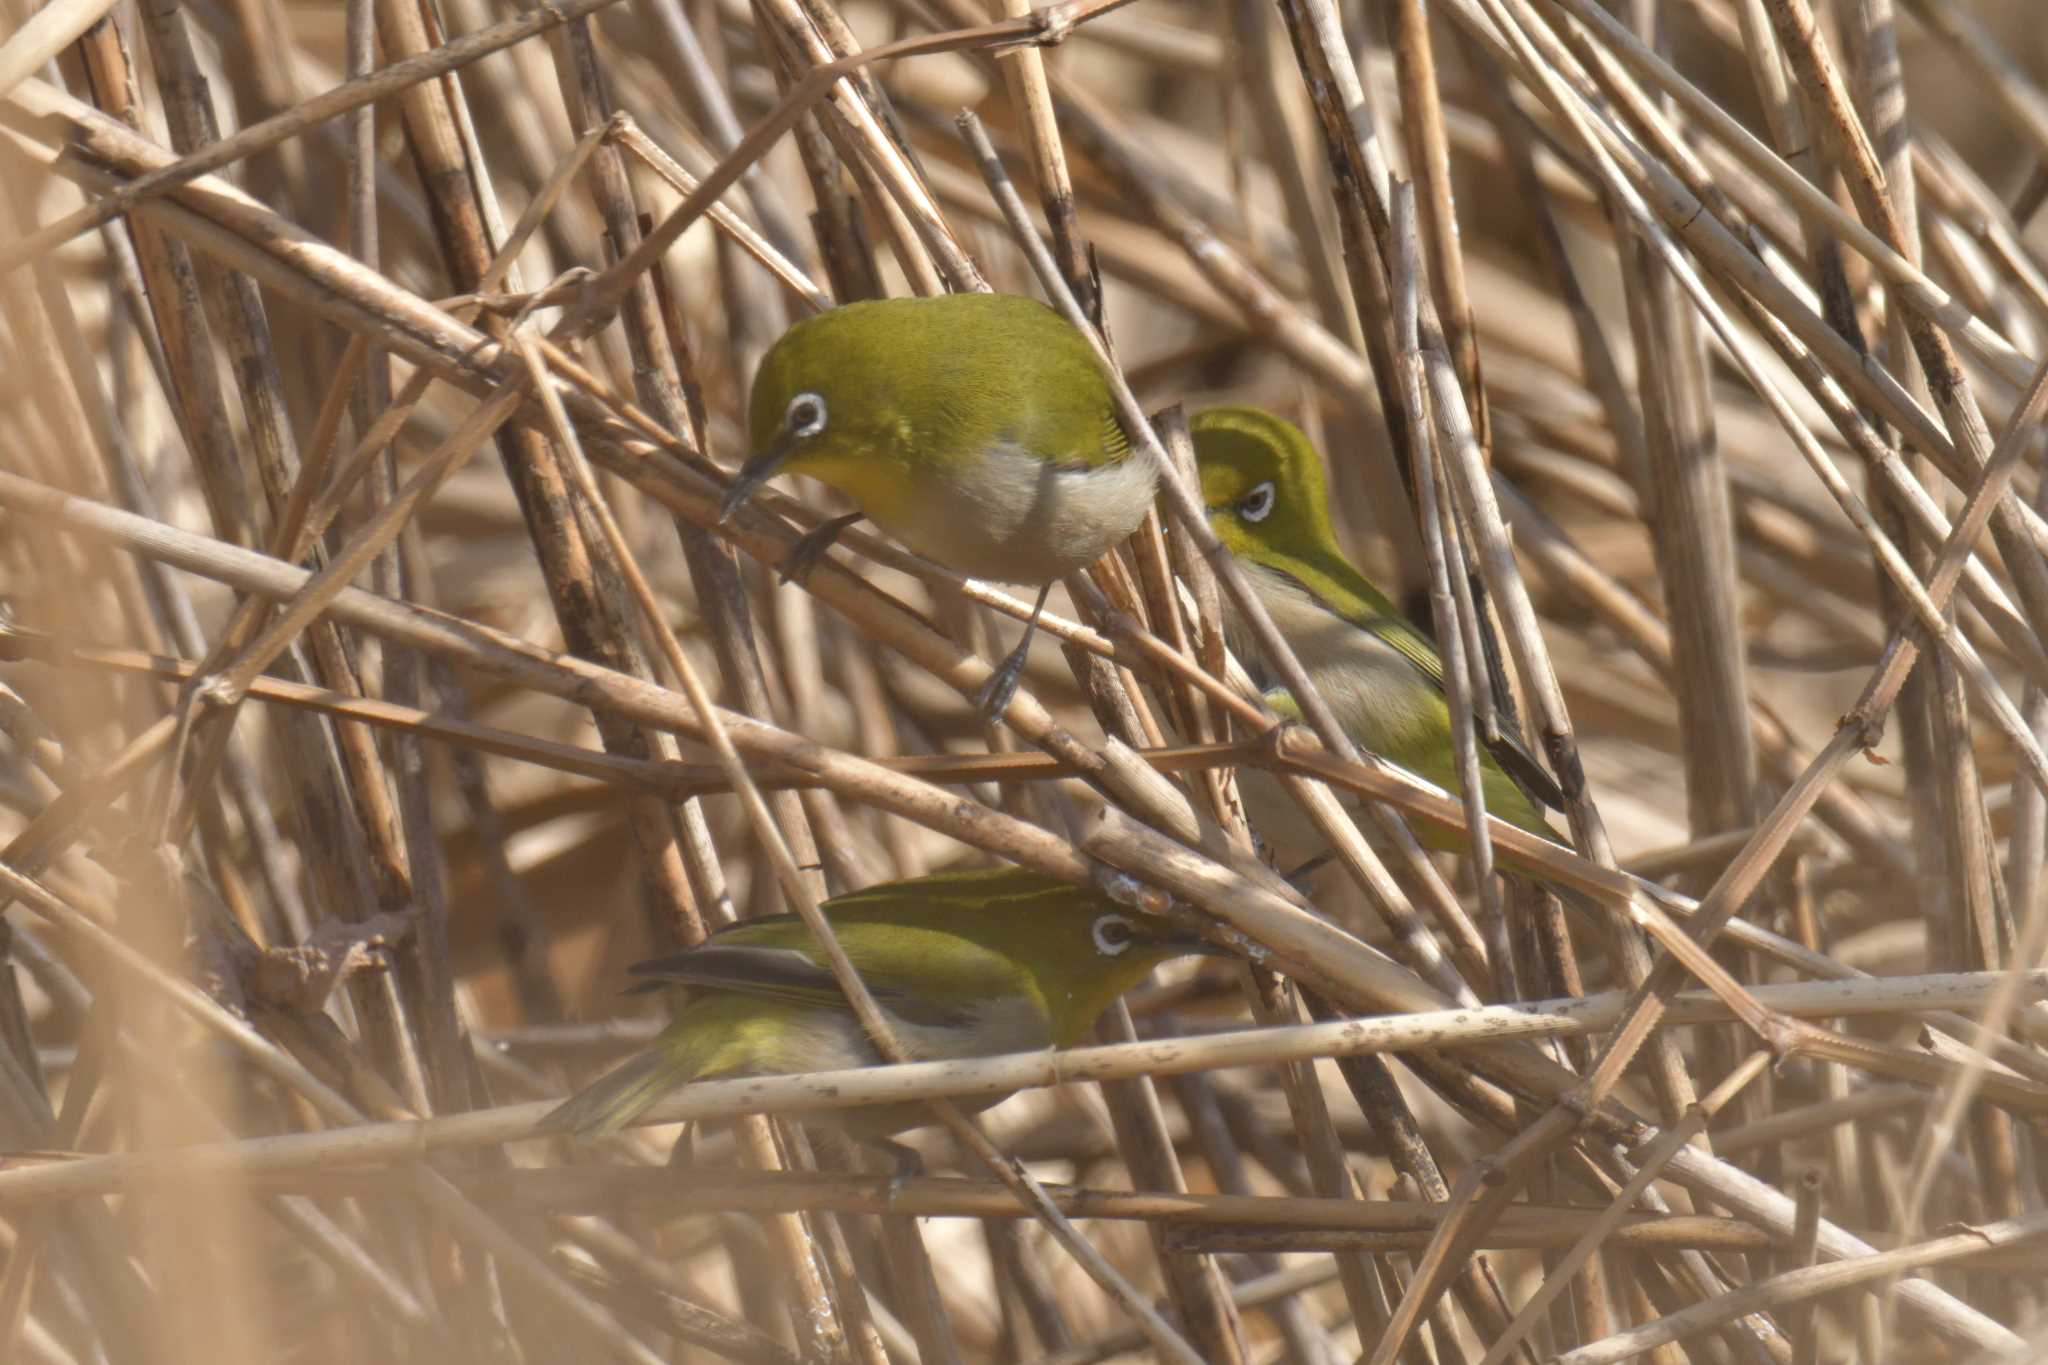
[975, 428]
[936, 380]
[965, 964]
[1262, 483]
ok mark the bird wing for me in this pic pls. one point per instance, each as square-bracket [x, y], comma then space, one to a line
[1060, 406]
[1377, 615]
[1526, 769]
[1513, 756]
[775, 956]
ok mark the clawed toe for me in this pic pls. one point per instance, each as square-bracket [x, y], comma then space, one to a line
[809, 550]
[994, 697]
[906, 1163]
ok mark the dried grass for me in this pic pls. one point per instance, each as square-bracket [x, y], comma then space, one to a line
[344, 770]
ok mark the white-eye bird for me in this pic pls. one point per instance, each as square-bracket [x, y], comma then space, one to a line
[963, 964]
[1262, 483]
[974, 428]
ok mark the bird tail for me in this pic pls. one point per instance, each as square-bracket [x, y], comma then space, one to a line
[619, 1096]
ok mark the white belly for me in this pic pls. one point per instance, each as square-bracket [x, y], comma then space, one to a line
[1011, 518]
[1282, 825]
[832, 1039]
[1374, 690]
[1370, 686]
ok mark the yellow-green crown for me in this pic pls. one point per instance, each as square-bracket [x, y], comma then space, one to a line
[1262, 483]
[888, 388]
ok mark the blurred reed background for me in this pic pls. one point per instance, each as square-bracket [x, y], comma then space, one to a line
[1740, 300]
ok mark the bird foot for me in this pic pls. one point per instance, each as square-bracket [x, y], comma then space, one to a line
[906, 1164]
[994, 697]
[1299, 877]
[810, 548]
[683, 1155]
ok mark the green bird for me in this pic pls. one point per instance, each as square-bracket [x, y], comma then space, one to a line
[974, 428]
[963, 964]
[1262, 483]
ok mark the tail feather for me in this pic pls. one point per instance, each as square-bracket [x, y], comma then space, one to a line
[619, 1096]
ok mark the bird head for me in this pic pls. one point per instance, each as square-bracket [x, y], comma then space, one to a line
[873, 395]
[1087, 955]
[1079, 949]
[822, 399]
[1262, 483]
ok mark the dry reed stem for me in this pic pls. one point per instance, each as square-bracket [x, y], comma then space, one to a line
[413, 1140]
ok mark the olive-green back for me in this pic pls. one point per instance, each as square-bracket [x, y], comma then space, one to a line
[938, 947]
[942, 378]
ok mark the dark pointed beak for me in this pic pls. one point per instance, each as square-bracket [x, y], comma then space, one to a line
[758, 469]
[1197, 946]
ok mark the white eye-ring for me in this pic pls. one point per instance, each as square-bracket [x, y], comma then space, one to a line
[1113, 934]
[1257, 505]
[805, 415]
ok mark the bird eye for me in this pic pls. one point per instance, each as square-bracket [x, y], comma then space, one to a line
[805, 415]
[1257, 505]
[1113, 934]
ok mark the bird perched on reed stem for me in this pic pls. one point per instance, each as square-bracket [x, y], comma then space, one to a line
[1262, 484]
[974, 428]
[962, 964]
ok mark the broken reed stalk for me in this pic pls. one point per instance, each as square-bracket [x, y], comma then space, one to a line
[174, 279]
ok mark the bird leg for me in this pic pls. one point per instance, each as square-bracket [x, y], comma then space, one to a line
[683, 1155]
[810, 547]
[994, 697]
[1298, 878]
[907, 1164]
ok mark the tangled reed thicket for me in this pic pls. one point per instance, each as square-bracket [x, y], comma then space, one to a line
[346, 766]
